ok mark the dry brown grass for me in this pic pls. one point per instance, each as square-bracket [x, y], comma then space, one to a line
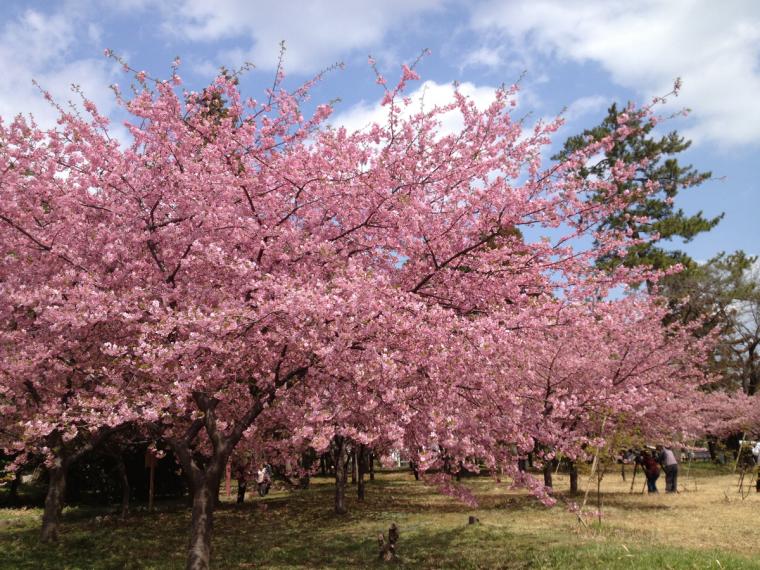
[708, 512]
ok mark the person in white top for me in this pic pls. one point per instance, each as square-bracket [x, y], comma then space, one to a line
[263, 481]
[756, 452]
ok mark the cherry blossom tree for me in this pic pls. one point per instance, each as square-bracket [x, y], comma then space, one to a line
[613, 370]
[64, 299]
[237, 257]
[727, 414]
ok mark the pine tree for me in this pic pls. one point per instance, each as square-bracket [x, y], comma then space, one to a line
[723, 292]
[662, 167]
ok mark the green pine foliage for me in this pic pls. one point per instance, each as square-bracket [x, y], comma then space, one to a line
[662, 166]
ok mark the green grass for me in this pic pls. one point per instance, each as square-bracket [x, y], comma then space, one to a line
[707, 528]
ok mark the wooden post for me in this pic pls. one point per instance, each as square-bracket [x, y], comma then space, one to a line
[594, 466]
[736, 463]
[633, 480]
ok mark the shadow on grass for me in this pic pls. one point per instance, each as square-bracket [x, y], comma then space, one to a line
[299, 530]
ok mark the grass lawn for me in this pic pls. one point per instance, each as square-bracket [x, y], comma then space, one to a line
[707, 525]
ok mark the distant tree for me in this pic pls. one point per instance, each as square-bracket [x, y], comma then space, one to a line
[725, 294]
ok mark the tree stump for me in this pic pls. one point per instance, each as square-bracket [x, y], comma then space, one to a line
[387, 550]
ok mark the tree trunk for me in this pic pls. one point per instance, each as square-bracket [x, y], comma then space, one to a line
[122, 469]
[204, 477]
[712, 448]
[340, 491]
[362, 469]
[13, 498]
[308, 458]
[56, 493]
[415, 471]
[241, 484]
[204, 482]
[573, 478]
[340, 458]
[353, 467]
[204, 500]
[322, 465]
[151, 484]
[548, 465]
[54, 499]
[371, 466]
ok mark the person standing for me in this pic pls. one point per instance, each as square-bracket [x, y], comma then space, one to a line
[756, 454]
[263, 481]
[651, 470]
[669, 463]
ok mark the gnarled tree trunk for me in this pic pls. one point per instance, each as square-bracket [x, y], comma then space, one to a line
[205, 495]
[204, 475]
[203, 480]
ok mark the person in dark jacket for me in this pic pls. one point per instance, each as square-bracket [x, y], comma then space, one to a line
[651, 470]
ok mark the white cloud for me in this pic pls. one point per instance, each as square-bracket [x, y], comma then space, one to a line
[645, 45]
[483, 56]
[38, 46]
[576, 111]
[429, 94]
[316, 32]
[584, 106]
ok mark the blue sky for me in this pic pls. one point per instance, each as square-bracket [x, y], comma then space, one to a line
[579, 55]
